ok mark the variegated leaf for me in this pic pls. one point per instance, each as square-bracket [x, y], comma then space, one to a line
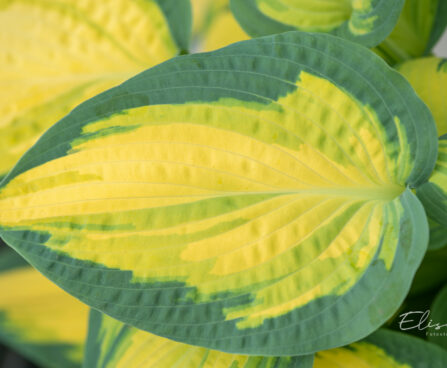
[364, 21]
[255, 200]
[37, 318]
[112, 344]
[384, 349]
[428, 76]
[56, 54]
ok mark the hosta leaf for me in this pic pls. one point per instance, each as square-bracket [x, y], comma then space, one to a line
[214, 25]
[253, 200]
[364, 21]
[428, 76]
[433, 194]
[419, 27]
[37, 318]
[384, 349]
[438, 317]
[56, 54]
[112, 344]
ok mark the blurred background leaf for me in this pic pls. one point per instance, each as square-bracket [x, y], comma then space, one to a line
[419, 27]
[214, 25]
[428, 77]
[57, 54]
[37, 318]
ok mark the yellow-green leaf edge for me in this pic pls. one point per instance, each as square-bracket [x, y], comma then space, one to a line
[305, 329]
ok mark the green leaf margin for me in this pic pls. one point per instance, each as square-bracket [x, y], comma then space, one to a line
[131, 94]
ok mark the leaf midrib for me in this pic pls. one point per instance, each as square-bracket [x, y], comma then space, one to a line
[386, 193]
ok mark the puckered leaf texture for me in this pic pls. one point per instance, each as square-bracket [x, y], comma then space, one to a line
[254, 200]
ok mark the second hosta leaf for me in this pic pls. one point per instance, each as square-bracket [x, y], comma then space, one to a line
[112, 344]
[364, 21]
[252, 200]
[56, 54]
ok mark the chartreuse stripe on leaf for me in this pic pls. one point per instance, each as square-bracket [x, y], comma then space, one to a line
[428, 76]
[56, 54]
[364, 21]
[419, 27]
[253, 200]
[37, 318]
[112, 344]
[433, 194]
[384, 349]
